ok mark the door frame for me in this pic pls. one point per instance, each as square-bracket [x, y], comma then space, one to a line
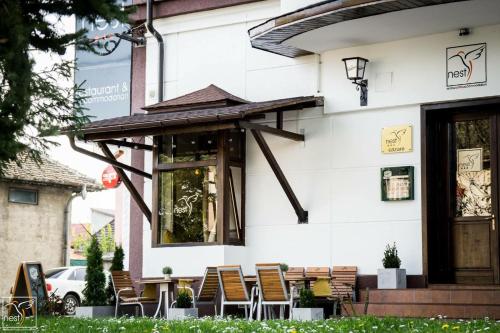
[425, 134]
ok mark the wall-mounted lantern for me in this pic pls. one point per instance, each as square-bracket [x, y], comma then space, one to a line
[355, 71]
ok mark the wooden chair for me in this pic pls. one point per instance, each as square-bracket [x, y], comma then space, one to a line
[320, 287]
[343, 285]
[295, 273]
[233, 289]
[125, 293]
[209, 287]
[272, 289]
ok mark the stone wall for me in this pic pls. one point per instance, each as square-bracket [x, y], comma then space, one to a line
[30, 232]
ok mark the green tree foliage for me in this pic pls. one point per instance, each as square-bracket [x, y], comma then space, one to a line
[391, 258]
[95, 281]
[107, 239]
[33, 103]
[116, 265]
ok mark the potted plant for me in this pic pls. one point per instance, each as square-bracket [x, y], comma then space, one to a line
[391, 276]
[183, 309]
[95, 285]
[307, 309]
[167, 272]
[284, 267]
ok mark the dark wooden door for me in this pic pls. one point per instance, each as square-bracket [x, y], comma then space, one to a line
[472, 200]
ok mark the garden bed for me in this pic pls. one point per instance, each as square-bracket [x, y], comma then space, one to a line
[344, 325]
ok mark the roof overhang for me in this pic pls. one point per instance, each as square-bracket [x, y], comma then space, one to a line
[337, 24]
[189, 121]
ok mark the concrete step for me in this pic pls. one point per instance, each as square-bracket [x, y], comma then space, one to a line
[455, 311]
[432, 296]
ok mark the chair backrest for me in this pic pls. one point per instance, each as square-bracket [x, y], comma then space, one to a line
[271, 282]
[209, 285]
[344, 275]
[122, 280]
[343, 281]
[318, 271]
[295, 273]
[232, 283]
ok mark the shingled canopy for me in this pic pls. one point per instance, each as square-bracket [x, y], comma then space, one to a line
[208, 109]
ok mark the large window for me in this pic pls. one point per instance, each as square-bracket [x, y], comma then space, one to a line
[200, 188]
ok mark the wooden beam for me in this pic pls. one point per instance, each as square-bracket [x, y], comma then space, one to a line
[279, 120]
[301, 213]
[272, 130]
[128, 184]
[112, 161]
[124, 143]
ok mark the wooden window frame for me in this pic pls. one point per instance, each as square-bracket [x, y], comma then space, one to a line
[222, 164]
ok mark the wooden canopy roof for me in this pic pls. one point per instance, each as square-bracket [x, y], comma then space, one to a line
[208, 106]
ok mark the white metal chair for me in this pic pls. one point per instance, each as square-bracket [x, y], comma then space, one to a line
[234, 290]
[272, 290]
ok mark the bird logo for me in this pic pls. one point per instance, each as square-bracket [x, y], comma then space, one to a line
[469, 58]
[21, 308]
[399, 134]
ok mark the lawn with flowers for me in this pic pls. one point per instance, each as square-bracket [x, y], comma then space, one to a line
[344, 325]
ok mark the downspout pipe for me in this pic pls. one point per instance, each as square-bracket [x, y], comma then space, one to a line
[161, 51]
[67, 222]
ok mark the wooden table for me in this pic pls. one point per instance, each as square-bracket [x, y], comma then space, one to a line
[150, 291]
[166, 287]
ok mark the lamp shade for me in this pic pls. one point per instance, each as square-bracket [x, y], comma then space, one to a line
[355, 68]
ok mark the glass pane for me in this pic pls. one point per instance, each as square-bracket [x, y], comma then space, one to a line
[23, 196]
[187, 205]
[473, 176]
[188, 147]
[235, 203]
[236, 144]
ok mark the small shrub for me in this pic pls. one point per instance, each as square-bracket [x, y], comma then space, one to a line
[183, 300]
[306, 298]
[284, 267]
[116, 265]
[95, 281]
[391, 258]
[167, 270]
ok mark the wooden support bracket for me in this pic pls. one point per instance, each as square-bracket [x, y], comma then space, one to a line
[301, 213]
[128, 183]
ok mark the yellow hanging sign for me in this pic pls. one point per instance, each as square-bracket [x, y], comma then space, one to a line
[397, 139]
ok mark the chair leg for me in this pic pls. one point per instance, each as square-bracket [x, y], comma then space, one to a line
[222, 309]
[142, 309]
[246, 312]
[282, 312]
[259, 310]
[116, 308]
[290, 315]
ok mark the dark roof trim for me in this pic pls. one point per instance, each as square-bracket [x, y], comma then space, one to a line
[270, 35]
[155, 123]
[168, 8]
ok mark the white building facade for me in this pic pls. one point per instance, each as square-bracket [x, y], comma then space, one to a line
[336, 172]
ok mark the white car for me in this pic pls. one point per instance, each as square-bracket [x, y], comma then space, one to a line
[68, 283]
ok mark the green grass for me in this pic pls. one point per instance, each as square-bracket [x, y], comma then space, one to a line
[341, 325]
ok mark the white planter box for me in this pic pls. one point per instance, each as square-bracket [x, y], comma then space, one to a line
[304, 314]
[180, 314]
[391, 278]
[95, 311]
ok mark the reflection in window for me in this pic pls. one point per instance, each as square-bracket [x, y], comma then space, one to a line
[188, 147]
[473, 176]
[235, 195]
[187, 205]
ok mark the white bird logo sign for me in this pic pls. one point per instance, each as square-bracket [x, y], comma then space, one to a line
[466, 65]
[469, 58]
[20, 309]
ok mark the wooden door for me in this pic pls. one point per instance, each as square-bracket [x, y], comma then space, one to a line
[473, 198]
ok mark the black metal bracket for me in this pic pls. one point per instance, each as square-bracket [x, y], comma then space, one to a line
[362, 86]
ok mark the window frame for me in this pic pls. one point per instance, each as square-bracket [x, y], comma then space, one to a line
[25, 190]
[222, 164]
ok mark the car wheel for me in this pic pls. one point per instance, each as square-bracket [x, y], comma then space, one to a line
[71, 302]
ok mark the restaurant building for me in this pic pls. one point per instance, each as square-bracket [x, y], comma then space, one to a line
[254, 145]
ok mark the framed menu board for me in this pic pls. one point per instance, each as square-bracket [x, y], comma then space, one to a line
[397, 183]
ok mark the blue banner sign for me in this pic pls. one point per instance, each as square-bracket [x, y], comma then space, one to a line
[105, 78]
